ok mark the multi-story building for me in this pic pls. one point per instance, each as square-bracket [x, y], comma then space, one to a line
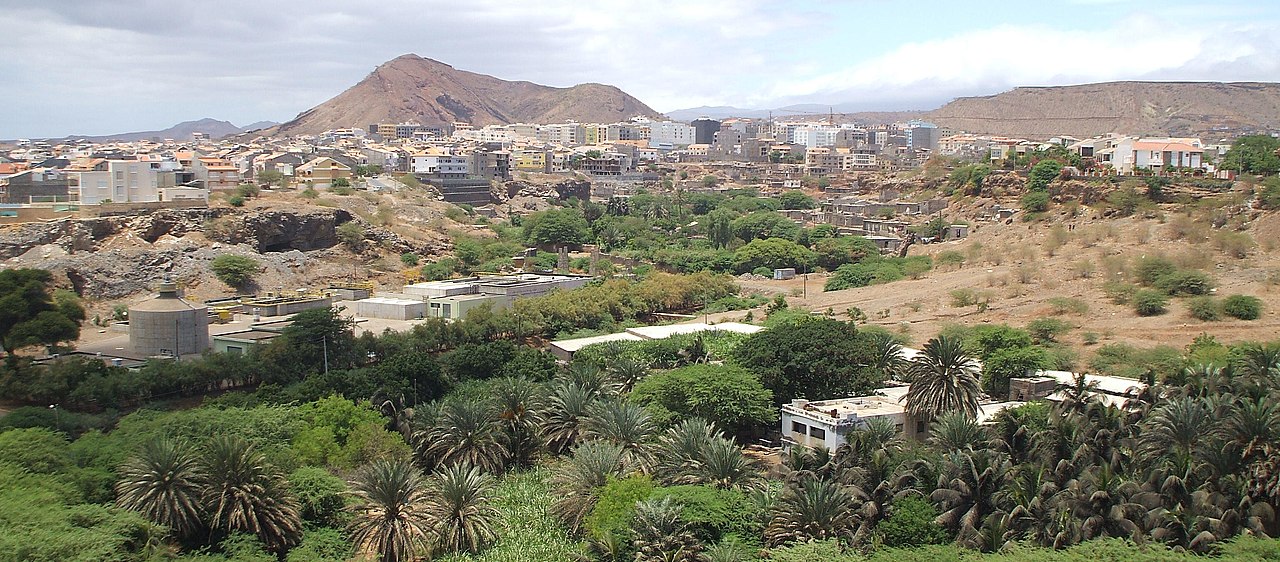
[120, 181]
[34, 185]
[215, 173]
[321, 172]
[671, 134]
[441, 165]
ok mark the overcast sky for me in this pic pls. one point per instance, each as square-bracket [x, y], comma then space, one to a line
[110, 66]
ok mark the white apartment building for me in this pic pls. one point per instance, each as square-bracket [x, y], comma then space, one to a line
[670, 132]
[441, 165]
[121, 181]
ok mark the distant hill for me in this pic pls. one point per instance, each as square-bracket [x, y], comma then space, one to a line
[410, 87]
[181, 132]
[1204, 109]
[844, 113]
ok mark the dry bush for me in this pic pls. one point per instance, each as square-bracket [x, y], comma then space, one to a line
[974, 252]
[1114, 267]
[1234, 244]
[1027, 254]
[1049, 283]
[1183, 227]
[1142, 235]
[1193, 258]
[1056, 239]
[1025, 274]
[1084, 268]
[995, 255]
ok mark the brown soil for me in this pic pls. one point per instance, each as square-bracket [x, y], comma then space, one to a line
[1010, 265]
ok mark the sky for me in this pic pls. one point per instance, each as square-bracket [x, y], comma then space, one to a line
[109, 66]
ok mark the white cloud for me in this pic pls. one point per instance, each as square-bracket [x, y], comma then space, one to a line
[990, 60]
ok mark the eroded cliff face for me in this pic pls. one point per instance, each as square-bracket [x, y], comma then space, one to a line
[116, 257]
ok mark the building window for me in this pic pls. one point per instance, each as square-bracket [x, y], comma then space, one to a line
[817, 433]
[235, 350]
[798, 427]
[920, 426]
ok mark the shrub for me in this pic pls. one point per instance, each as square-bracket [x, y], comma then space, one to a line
[1149, 303]
[409, 259]
[1243, 307]
[1185, 282]
[236, 201]
[1044, 330]
[1119, 293]
[961, 298]
[1035, 202]
[911, 523]
[1064, 305]
[1149, 269]
[350, 234]
[950, 258]
[1234, 244]
[234, 270]
[1203, 308]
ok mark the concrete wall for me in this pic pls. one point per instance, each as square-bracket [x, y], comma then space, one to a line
[391, 310]
[160, 332]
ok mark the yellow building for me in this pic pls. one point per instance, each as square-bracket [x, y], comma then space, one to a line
[529, 160]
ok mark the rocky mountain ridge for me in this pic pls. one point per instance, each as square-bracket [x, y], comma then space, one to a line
[430, 92]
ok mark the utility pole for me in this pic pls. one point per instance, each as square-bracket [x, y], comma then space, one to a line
[324, 341]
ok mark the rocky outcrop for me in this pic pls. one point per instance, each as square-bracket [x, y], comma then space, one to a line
[576, 188]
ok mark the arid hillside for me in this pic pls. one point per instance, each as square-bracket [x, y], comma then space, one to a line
[410, 87]
[1205, 109]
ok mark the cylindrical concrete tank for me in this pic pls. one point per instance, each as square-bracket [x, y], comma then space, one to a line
[168, 325]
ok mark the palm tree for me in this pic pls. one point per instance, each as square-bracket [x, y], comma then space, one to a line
[464, 432]
[661, 535]
[626, 371]
[1252, 425]
[164, 484]
[568, 405]
[1030, 497]
[518, 401]
[622, 423]
[246, 494]
[682, 448]
[1259, 365]
[955, 431]
[814, 509]
[1101, 503]
[578, 479]
[464, 519]
[390, 519]
[943, 379]
[967, 491]
[886, 355]
[1176, 426]
[724, 466]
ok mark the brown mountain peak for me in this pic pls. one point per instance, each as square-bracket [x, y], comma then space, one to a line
[411, 87]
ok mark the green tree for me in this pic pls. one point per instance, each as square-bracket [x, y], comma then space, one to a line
[273, 177]
[772, 253]
[765, 224]
[465, 432]
[719, 228]
[796, 199]
[556, 227]
[235, 271]
[814, 358]
[1035, 202]
[391, 518]
[1042, 173]
[29, 314]
[732, 396]
[1008, 363]
[1253, 154]
[710, 181]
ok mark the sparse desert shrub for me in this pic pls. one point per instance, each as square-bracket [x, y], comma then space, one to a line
[1056, 239]
[950, 258]
[1090, 338]
[1183, 227]
[1068, 305]
[1203, 308]
[1046, 330]
[1243, 307]
[1142, 235]
[1234, 244]
[409, 259]
[1149, 303]
[310, 193]
[1118, 292]
[236, 201]
[1114, 267]
[961, 298]
[1193, 258]
[1185, 282]
[1025, 274]
[1084, 268]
